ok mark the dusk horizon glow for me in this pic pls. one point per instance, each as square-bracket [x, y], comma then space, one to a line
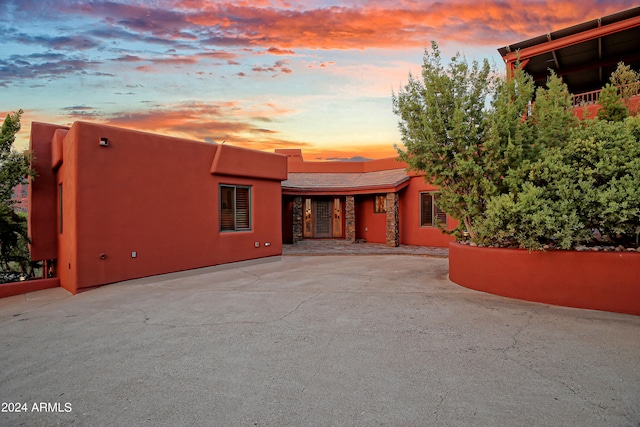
[267, 74]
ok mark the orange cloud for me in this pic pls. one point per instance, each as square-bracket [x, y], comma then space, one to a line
[392, 25]
[371, 152]
[226, 121]
[276, 51]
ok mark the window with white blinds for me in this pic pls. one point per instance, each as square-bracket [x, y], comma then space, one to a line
[235, 208]
[430, 214]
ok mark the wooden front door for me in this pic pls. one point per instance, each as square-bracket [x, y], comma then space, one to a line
[322, 218]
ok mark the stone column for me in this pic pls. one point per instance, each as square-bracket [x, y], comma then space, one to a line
[350, 219]
[393, 228]
[297, 219]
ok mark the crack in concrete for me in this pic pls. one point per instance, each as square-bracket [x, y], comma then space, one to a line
[298, 306]
[530, 368]
[232, 322]
[502, 350]
[257, 276]
[29, 310]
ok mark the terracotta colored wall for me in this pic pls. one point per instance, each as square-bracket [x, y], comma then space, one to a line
[411, 233]
[18, 288]
[266, 220]
[369, 225]
[156, 196]
[586, 112]
[591, 111]
[383, 164]
[608, 281]
[67, 247]
[238, 161]
[42, 194]
[298, 164]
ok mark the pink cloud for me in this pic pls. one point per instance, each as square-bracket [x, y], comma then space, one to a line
[225, 121]
[393, 25]
[276, 51]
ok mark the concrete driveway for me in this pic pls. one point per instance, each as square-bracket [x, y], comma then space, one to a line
[313, 341]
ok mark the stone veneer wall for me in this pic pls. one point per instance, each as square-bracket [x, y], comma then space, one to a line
[393, 229]
[297, 219]
[350, 219]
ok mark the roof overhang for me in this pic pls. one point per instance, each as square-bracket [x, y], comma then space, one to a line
[584, 55]
[346, 183]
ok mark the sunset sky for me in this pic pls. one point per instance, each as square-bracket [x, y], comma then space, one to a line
[316, 75]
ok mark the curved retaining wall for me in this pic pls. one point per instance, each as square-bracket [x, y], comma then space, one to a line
[608, 281]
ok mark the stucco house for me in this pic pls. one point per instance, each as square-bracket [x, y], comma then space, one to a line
[376, 201]
[111, 204]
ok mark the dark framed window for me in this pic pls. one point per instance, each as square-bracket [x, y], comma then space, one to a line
[60, 203]
[235, 208]
[380, 204]
[430, 214]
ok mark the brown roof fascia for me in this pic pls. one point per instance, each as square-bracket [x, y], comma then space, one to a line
[571, 40]
[332, 191]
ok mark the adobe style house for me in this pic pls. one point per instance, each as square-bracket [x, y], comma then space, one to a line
[375, 201]
[110, 204]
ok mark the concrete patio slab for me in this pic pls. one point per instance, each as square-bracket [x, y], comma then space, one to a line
[331, 340]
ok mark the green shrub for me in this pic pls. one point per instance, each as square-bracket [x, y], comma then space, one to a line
[584, 191]
[516, 174]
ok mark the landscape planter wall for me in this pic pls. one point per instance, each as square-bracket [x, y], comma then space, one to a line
[608, 281]
[18, 288]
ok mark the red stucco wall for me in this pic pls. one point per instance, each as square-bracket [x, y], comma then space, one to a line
[18, 288]
[591, 111]
[156, 196]
[42, 193]
[608, 281]
[298, 164]
[370, 226]
[411, 233]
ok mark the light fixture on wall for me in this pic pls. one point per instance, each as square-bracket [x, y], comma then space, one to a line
[104, 142]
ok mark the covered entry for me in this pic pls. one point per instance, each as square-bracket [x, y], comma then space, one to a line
[331, 204]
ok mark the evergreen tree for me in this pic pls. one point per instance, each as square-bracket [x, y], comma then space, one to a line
[443, 123]
[14, 170]
[612, 108]
[516, 173]
[627, 80]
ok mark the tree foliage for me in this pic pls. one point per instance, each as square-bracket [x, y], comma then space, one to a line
[517, 172]
[14, 170]
[627, 80]
[443, 126]
[611, 103]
